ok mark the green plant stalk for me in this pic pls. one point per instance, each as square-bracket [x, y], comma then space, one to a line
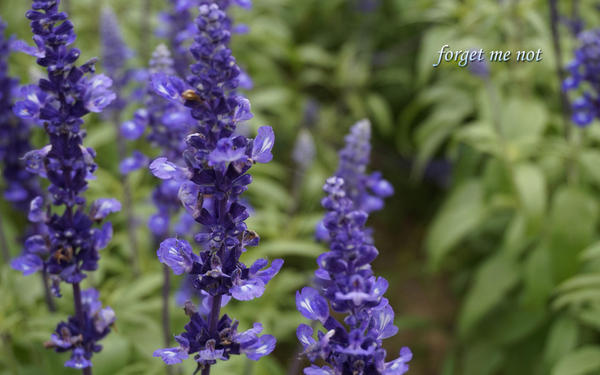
[166, 326]
[4, 243]
[127, 199]
[80, 317]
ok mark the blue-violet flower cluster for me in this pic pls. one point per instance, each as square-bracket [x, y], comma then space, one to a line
[58, 103]
[584, 73]
[15, 133]
[217, 161]
[347, 285]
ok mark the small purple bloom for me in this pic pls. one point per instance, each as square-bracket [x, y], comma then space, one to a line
[102, 207]
[263, 143]
[136, 161]
[312, 305]
[177, 254]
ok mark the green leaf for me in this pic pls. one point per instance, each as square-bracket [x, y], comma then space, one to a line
[562, 338]
[380, 111]
[573, 219]
[582, 361]
[524, 120]
[461, 214]
[493, 280]
[531, 189]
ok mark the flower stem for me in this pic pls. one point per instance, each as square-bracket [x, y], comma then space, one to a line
[127, 200]
[213, 320]
[80, 317]
[47, 295]
[4, 243]
[165, 305]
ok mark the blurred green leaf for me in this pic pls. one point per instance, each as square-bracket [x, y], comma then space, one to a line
[581, 361]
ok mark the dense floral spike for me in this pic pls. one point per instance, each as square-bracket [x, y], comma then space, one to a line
[215, 174]
[346, 284]
[585, 73]
[21, 185]
[82, 339]
[115, 55]
[365, 190]
[71, 243]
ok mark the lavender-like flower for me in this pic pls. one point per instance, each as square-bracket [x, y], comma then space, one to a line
[82, 339]
[346, 284]
[366, 191]
[584, 73]
[71, 243]
[21, 185]
[115, 56]
[217, 162]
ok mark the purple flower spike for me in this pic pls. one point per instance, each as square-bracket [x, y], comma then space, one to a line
[217, 162]
[583, 76]
[177, 254]
[67, 236]
[311, 305]
[345, 280]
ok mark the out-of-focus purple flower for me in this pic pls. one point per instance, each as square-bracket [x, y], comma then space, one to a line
[346, 284]
[585, 69]
[115, 56]
[15, 133]
[134, 162]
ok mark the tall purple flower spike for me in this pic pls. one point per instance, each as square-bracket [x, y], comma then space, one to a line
[71, 242]
[214, 176]
[346, 285]
[585, 68]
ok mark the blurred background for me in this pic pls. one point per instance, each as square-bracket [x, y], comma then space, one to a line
[489, 242]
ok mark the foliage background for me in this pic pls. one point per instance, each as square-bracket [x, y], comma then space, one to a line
[489, 242]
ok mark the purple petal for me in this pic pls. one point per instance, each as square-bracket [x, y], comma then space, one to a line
[34, 161]
[164, 169]
[98, 94]
[383, 322]
[78, 360]
[248, 289]
[177, 254]
[158, 224]
[28, 264]
[312, 305]
[398, 366]
[263, 143]
[305, 335]
[132, 130]
[267, 274]
[36, 244]
[171, 356]
[315, 370]
[249, 335]
[104, 206]
[103, 236]
[169, 87]
[262, 347]
[37, 214]
[136, 161]
[22, 46]
[104, 319]
[188, 196]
